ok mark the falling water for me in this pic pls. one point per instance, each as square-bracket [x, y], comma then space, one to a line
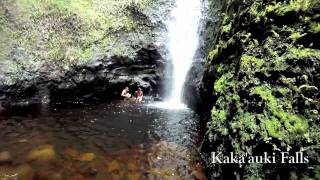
[183, 43]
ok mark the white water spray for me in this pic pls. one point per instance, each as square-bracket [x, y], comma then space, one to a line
[183, 43]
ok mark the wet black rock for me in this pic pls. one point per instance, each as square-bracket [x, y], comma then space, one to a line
[191, 92]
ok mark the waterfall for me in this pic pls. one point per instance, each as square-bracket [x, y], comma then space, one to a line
[183, 43]
[183, 40]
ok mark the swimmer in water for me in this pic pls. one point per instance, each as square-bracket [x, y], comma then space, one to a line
[139, 95]
[125, 93]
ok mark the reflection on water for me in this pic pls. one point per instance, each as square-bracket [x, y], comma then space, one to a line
[104, 141]
[170, 105]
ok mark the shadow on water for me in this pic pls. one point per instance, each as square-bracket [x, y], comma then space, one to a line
[118, 140]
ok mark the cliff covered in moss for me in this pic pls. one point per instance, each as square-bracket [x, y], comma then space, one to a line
[261, 84]
[54, 48]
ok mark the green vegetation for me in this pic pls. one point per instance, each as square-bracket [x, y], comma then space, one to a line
[266, 84]
[315, 27]
[303, 53]
[224, 82]
[294, 5]
[68, 30]
[226, 28]
[250, 62]
[296, 35]
[293, 124]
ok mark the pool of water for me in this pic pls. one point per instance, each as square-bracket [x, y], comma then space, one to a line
[118, 140]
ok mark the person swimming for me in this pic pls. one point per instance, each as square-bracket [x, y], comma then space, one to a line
[125, 93]
[139, 95]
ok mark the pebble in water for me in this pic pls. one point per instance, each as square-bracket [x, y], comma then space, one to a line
[43, 153]
[116, 169]
[5, 157]
[87, 157]
[75, 155]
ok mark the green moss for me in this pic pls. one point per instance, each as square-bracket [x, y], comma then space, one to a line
[265, 93]
[219, 115]
[118, 50]
[245, 122]
[6, 43]
[236, 97]
[296, 35]
[308, 87]
[280, 64]
[77, 54]
[256, 12]
[275, 34]
[252, 45]
[293, 123]
[213, 53]
[302, 53]
[226, 19]
[283, 90]
[56, 54]
[296, 124]
[315, 27]
[290, 82]
[251, 63]
[302, 5]
[226, 28]
[293, 5]
[265, 87]
[269, 43]
[274, 128]
[225, 81]
[246, 38]
[272, 7]
[71, 30]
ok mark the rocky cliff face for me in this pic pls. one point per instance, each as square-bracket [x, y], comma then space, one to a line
[261, 82]
[80, 50]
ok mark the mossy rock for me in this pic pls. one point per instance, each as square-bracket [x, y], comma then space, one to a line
[264, 89]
